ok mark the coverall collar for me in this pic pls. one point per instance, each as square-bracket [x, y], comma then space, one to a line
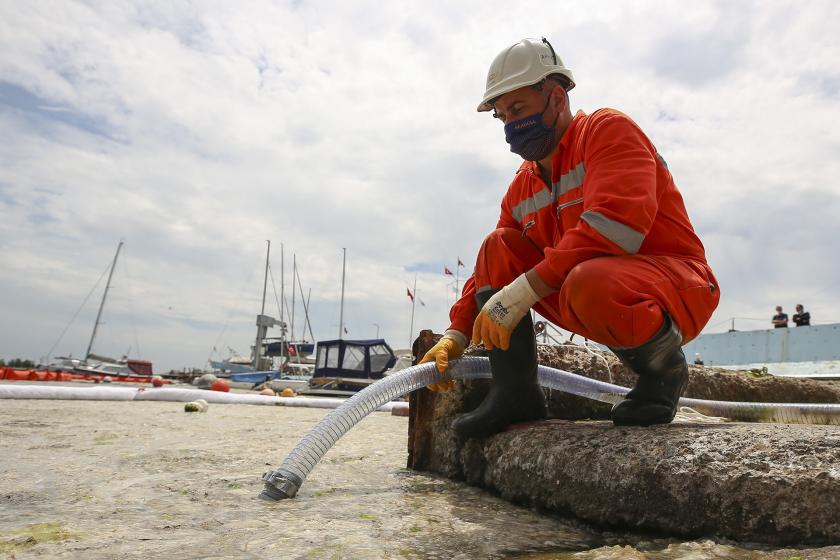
[534, 167]
[564, 143]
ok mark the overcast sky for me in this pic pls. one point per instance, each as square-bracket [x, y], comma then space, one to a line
[195, 131]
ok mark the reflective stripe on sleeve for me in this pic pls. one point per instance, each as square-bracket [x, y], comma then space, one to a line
[572, 179]
[625, 237]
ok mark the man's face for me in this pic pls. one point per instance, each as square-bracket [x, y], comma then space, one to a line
[520, 103]
[799, 309]
[779, 309]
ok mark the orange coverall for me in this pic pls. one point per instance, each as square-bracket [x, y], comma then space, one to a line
[610, 233]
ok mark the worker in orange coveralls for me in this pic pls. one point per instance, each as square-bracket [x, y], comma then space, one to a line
[594, 235]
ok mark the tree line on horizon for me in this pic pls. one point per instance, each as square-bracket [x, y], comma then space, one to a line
[17, 363]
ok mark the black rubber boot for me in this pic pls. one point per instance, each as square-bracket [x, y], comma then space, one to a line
[515, 395]
[663, 375]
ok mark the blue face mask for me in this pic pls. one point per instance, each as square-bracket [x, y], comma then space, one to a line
[530, 137]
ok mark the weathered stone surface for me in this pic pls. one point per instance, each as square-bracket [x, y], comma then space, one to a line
[756, 482]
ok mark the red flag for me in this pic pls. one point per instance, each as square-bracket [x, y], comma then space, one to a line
[408, 292]
[460, 263]
[447, 271]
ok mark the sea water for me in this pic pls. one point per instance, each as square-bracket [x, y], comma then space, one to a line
[148, 480]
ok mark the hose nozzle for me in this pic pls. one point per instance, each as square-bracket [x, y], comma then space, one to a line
[280, 484]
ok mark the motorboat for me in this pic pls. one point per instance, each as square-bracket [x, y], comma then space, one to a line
[344, 367]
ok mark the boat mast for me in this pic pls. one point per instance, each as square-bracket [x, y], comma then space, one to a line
[283, 345]
[305, 303]
[294, 272]
[308, 322]
[457, 272]
[341, 313]
[413, 304]
[258, 343]
[282, 288]
[102, 303]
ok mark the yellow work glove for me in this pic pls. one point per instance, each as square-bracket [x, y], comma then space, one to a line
[449, 347]
[502, 312]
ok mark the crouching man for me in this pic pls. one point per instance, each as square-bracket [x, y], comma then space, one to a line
[594, 235]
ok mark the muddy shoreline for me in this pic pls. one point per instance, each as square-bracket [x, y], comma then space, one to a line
[147, 480]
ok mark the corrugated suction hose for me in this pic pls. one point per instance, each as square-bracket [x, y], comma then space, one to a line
[285, 481]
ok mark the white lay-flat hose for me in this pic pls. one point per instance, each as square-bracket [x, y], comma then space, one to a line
[172, 394]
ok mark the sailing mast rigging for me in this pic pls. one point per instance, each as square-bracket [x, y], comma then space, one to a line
[264, 322]
[102, 303]
[341, 312]
[284, 347]
[413, 300]
[260, 327]
[294, 271]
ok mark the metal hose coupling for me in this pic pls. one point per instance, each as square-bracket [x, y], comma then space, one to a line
[280, 484]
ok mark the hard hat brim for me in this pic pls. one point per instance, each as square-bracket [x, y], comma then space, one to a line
[502, 88]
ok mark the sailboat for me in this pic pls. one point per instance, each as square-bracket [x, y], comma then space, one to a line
[98, 365]
[295, 357]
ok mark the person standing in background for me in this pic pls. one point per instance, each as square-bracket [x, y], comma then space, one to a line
[801, 318]
[780, 320]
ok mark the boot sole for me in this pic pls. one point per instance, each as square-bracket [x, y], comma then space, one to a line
[644, 414]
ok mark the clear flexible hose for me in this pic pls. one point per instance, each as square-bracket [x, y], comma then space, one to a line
[286, 480]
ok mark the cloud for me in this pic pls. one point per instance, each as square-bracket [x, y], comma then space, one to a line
[39, 112]
[705, 46]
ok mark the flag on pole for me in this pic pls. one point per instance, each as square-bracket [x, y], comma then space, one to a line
[460, 263]
[410, 295]
[447, 271]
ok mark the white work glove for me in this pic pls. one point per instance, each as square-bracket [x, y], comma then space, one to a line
[502, 312]
[450, 346]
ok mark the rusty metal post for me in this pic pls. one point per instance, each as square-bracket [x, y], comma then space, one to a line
[420, 407]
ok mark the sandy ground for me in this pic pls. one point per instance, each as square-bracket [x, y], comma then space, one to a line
[147, 480]
[141, 480]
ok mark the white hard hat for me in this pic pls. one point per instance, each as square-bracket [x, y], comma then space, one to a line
[522, 64]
